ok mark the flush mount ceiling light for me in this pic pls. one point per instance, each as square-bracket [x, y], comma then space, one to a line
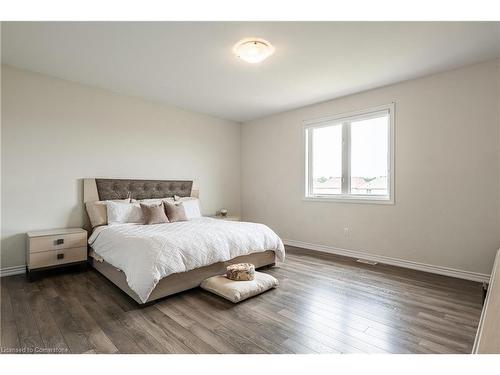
[253, 50]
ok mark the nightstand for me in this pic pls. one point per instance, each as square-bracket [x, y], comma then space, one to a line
[55, 248]
[228, 218]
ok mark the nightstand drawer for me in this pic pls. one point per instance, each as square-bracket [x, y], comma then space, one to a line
[57, 242]
[56, 257]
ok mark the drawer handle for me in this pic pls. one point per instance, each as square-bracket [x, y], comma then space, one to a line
[60, 241]
[60, 256]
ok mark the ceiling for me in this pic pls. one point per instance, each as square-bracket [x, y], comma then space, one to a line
[191, 65]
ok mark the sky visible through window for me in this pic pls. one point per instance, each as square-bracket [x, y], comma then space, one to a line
[369, 152]
[327, 152]
[369, 143]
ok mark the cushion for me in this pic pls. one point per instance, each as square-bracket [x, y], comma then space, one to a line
[191, 207]
[175, 212]
[154, 214]
[236, 291]
[240, 272]
[121, 213]
[97, 212]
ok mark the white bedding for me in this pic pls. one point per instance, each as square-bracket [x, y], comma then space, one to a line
[148, 253]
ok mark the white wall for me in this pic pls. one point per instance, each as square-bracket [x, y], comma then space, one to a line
[447, 174]
[54, 133]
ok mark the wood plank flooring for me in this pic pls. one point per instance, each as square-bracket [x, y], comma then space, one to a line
[325, 304]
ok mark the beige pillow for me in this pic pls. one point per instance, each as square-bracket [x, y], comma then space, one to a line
[98, 213]
[236, 291]
[154, 214]
[175, 212]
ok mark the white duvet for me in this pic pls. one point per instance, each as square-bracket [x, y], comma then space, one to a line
[148, 253]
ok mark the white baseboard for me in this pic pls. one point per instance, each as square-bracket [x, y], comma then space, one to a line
[9, 271]
[461, 274]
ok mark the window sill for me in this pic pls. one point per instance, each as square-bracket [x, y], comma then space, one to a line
[349, 199]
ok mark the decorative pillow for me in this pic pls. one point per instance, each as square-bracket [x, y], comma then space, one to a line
[97, 211]
[175, 212]
[120, 213]
[192, 207]
[236, 291]
[154, 214]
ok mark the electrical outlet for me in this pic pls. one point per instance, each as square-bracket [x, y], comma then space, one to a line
[346, 232]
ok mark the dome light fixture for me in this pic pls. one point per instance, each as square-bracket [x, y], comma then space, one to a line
[253, 50]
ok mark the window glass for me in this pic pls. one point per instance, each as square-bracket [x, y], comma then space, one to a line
[369, 156]
[327, 160]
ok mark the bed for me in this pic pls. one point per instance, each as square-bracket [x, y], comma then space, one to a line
[149, 262]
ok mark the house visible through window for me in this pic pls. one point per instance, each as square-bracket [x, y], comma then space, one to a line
[349, 157]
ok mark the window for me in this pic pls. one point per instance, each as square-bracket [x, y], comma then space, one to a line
[350, 157]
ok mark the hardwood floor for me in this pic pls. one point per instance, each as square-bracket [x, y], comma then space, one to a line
[325, 304]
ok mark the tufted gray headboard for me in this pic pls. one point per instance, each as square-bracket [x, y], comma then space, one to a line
[111, 188]
[141, 189]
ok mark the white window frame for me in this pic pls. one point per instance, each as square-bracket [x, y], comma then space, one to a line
[346, 163]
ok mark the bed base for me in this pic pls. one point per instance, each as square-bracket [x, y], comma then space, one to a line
[180, 282]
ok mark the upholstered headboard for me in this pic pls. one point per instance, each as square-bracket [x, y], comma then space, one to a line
[95, 189]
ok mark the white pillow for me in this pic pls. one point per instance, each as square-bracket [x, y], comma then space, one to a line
[192, 207]
[120, 213]
[97, 211]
